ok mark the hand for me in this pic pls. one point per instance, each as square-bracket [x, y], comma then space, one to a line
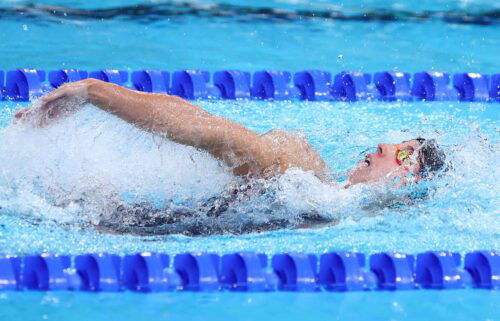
[62, 101]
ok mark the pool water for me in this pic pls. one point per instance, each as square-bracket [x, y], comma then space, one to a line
[37, 38]
[46, 171]
[96, 157]
[461, 215]
[403, 305]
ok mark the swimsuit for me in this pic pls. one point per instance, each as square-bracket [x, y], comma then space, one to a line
[144, 219]
[241, 208]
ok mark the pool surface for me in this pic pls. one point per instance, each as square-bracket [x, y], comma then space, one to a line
[46, 173]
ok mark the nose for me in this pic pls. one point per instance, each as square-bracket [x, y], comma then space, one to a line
[382, 149]
[385, 149]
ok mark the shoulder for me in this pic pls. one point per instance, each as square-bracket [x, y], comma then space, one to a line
[294, 143]
[294, 150]
[282, 136]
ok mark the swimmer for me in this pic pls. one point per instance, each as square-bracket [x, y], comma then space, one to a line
[246, 152]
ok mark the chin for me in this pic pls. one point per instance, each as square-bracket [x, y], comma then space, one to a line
[355, 177]
[353, 181]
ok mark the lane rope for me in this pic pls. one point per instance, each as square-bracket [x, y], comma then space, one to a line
[249, 271]
[311, 85]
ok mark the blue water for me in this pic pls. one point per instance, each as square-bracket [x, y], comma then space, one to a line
[96, 156]
[421, 305]
[186, 41]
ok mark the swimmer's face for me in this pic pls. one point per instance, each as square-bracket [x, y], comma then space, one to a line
[384, 165]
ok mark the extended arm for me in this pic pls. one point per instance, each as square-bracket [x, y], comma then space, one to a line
[177, 119]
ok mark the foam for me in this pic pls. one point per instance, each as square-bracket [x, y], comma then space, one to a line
[99, 158]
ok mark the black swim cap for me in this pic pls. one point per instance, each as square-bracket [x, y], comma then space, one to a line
[431, 158]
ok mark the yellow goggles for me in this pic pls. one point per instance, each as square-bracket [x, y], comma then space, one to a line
[403, 157]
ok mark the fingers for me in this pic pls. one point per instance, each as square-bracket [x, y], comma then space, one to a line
[21, 113]
[36, 116]
[75, 89]
[54, 105]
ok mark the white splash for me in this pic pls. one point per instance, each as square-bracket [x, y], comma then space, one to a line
[97, 157]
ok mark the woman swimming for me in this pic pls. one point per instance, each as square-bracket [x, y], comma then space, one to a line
[243, 150]
[247, 153]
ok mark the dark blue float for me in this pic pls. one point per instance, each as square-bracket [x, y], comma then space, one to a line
[10, 272]
[352, 86]
[472, 86]
[233, 84]
[441, 270]
[296, 271]
[484, 267]
[393, 86]
[314, 85]
[151, 81]
[198, 271]
[247, 271]
[495, 88]
[49, 272]
[24, 84]
[274, 85]
[59, 77]
[118, 77]
[394, 271]
[148, 272]
[99, 272]
[430, 86]
[193, 84]
[2, 85]
[343, 271]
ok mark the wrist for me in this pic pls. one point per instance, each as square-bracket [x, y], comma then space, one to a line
[91, 88]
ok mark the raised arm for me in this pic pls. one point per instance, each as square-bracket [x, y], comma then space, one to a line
[174, 117]
[187, 124]
[240, 148]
